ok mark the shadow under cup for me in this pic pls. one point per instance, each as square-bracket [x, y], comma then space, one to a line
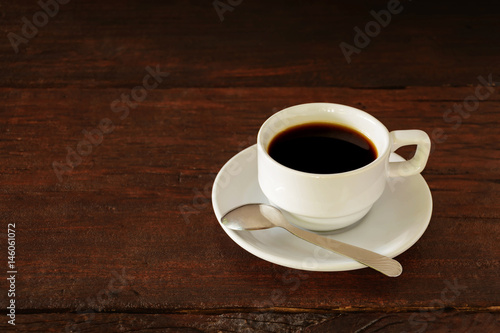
[324, 202]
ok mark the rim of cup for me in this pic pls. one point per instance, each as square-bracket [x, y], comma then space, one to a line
[331, 107]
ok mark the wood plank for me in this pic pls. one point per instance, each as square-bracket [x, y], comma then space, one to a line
[118, 213]
[278, 322]
[96, 45]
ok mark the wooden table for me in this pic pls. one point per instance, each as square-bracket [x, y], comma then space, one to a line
[107, 161]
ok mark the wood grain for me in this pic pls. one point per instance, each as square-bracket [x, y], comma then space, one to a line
[280, 43]
[264, 322]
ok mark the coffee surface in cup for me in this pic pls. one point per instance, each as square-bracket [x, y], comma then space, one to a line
[322, 148]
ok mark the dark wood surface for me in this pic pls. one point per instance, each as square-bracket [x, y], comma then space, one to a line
[127, 240]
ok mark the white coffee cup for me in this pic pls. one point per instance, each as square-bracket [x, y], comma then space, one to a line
[323, 202]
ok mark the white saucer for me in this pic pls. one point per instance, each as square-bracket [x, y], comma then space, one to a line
[396, 221]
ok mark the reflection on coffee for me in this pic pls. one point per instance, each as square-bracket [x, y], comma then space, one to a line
[322, 148]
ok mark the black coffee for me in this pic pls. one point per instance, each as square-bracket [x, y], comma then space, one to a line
[322, 148]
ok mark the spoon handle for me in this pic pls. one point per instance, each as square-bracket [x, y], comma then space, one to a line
[383, 264]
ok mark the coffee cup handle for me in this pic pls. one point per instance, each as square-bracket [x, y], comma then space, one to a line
[416, 164]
